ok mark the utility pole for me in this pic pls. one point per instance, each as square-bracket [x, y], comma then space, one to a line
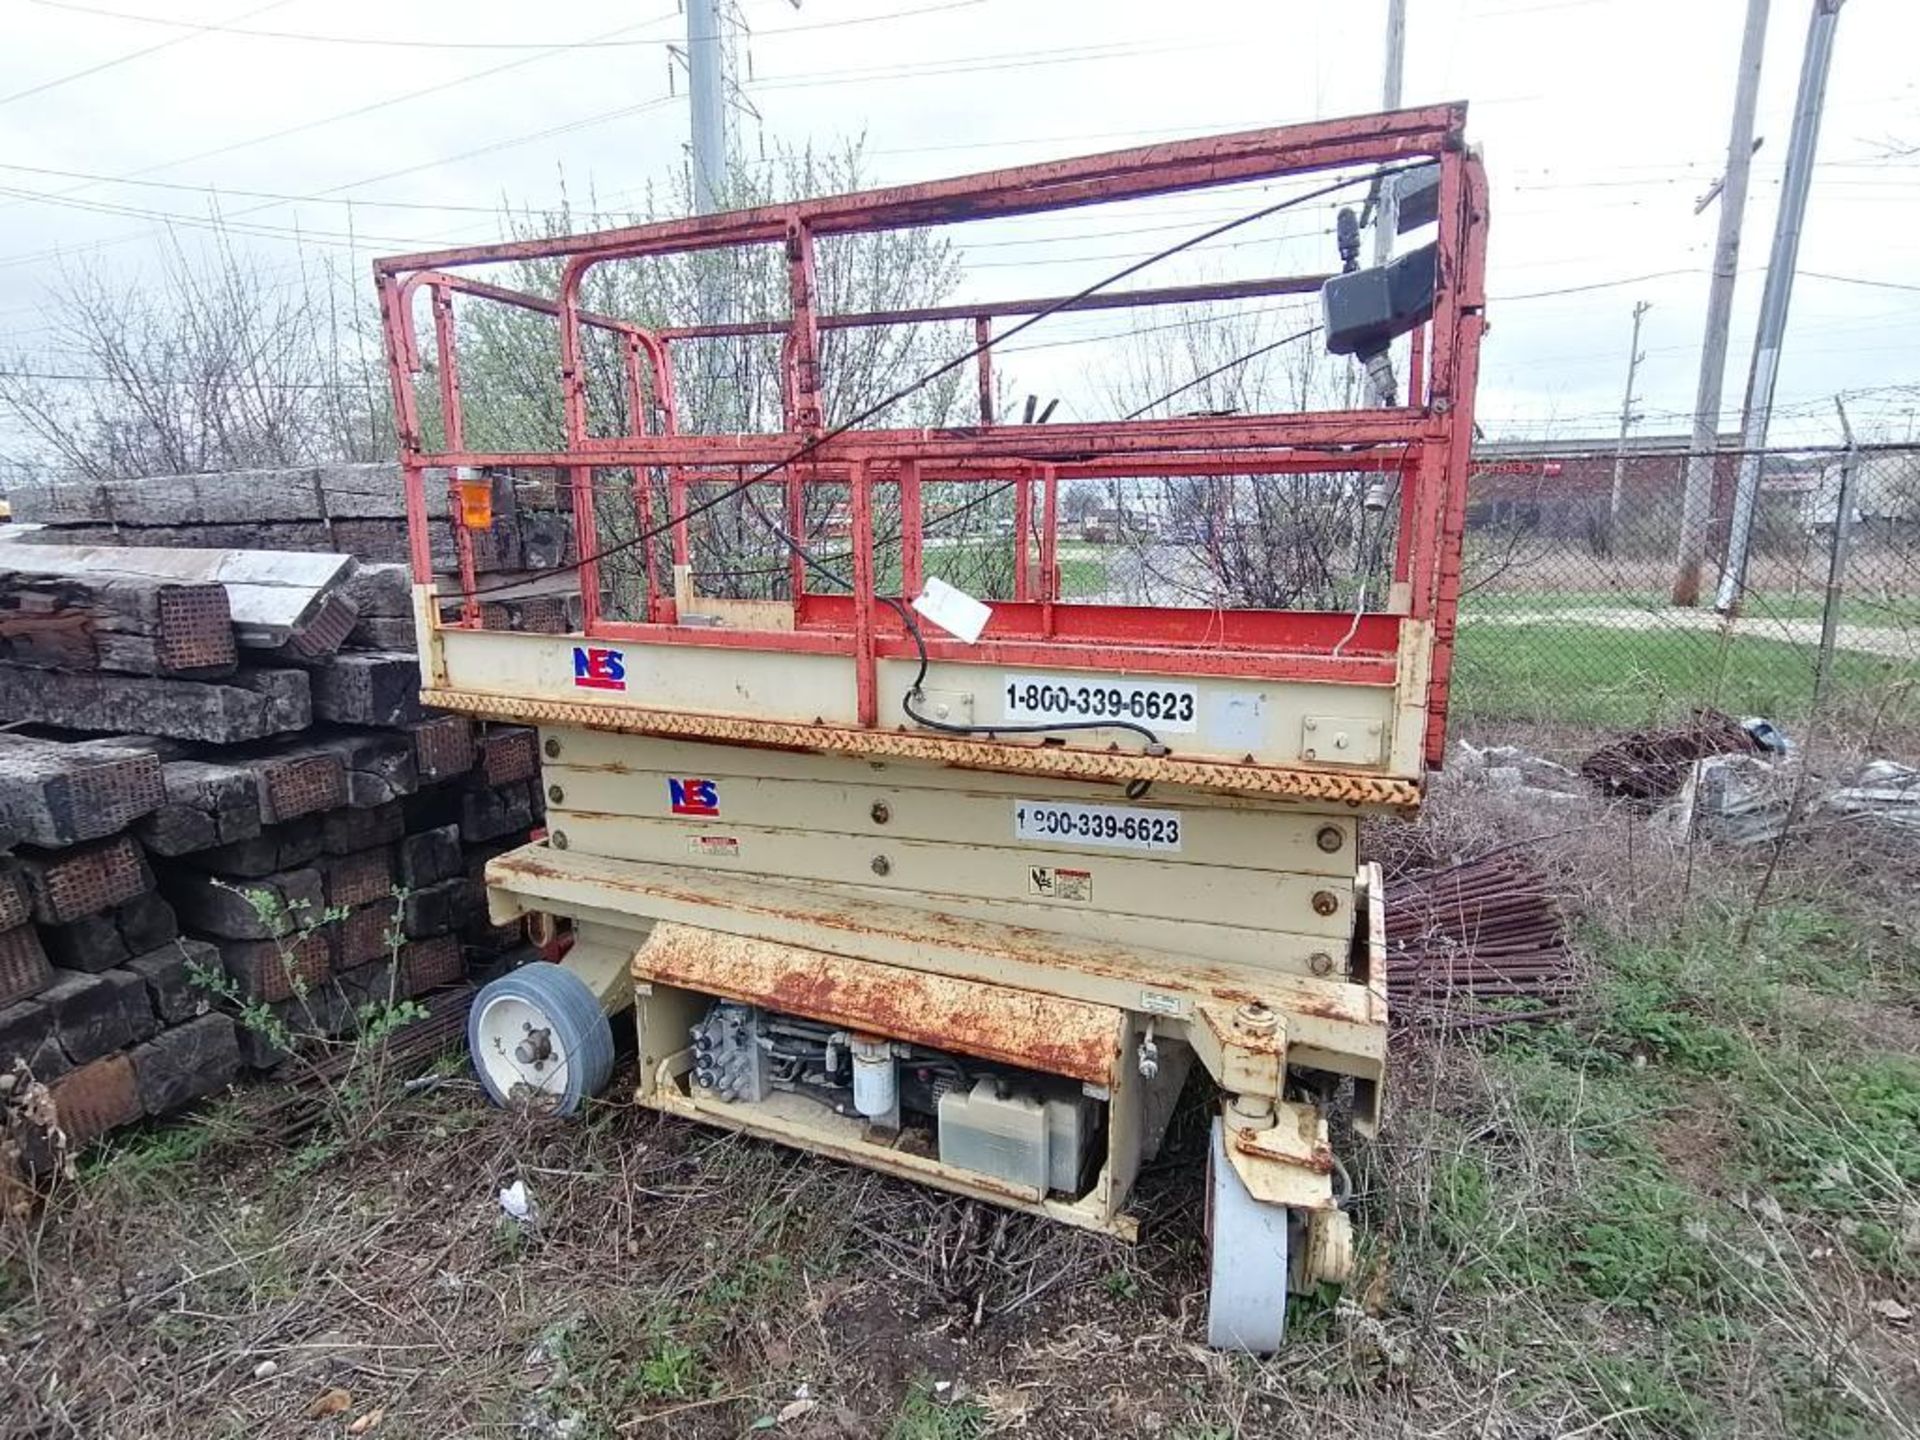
[1387, 212]
[1696, 506]
[1386, 200]
[706, 76]
[1627, 417]
[1781, 263]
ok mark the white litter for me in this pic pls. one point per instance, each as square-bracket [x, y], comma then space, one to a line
[1884, 790]
[515, 1200]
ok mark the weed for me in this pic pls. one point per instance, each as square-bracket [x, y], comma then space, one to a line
[670, 1370]
[925, 1416]
[1837, 1136]
[147, 1156]
[356, 1094]
[1121, 1284]
[1644, 1242]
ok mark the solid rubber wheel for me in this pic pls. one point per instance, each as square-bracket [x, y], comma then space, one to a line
[1247, 1243]
[539, 1039]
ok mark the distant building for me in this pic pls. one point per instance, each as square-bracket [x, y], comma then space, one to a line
[1564, 488]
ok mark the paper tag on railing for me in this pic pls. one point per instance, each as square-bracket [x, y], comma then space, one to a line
[954, 611]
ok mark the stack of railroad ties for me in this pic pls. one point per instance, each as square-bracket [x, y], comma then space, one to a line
[214, 804]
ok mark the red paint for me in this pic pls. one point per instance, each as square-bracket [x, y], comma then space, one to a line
[1424, 444]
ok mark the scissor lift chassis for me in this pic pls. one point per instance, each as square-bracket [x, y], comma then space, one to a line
[745, 817]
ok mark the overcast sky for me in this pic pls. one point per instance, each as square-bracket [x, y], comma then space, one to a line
[1602, 122]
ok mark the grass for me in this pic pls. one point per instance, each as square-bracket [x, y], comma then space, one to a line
[924, 1415]
[1671, 1215]
[1671, 1172]
[1591, 675]
[1896, 612]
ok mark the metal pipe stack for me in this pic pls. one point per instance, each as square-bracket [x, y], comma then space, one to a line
[1485, 930]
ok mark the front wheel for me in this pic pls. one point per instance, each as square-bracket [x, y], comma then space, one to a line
[539, 1039]
[1247, 1253]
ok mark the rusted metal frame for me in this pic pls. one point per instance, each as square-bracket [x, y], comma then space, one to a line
[1442, 419]
[1409, 501]
[630, 333]
[1333, 432]
[1088, 1213]
[983, 340]
[1199, 462]
[677, 517]
[636, 385]
[1150, 628]
[1468, 200]
[1085, 655]
[865, 679]
[642, 487]
[650, 555]
[796, 502]
[406, 415]
[983, 312]
[1219, 463]
[1022, 550]
[1117, 175]
[453, 424]
[789, 402]
[912, 519]
[573, 403]
[1049, 546]
[586, 534]
[519, 299]
[993, 1022]
[801, 331]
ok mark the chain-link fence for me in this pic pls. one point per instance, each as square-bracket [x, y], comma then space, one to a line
[1573, 556]
[1571, 562]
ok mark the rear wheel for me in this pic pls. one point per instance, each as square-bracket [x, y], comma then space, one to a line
[539, 1039]
[1248, 1244]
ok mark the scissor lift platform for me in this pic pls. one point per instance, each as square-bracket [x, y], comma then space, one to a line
[965, 902]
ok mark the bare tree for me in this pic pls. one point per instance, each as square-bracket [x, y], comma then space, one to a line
[510, 368]
[204, 364]
[1268, 541]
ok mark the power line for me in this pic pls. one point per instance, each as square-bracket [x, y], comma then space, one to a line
[118, 60]
[283, 232]
[1201, 379]
[78, 377]
[334, 118]
[381, 42]
[215, 222]
[1596, 285]
[1063, 55]
[1860, 280]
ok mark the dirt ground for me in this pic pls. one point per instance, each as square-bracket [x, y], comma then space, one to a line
[1693, 1210]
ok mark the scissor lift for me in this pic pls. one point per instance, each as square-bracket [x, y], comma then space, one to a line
[965, 910]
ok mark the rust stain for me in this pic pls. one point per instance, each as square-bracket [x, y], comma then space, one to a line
[988, 940]
[1315, 1155]
[993, 1022]
[1226, 777]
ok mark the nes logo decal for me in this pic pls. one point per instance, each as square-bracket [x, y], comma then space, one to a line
[597, 668]
[694, 797]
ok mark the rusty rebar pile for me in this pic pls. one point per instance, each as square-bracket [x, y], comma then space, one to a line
[1653, 764]
[1483, 930]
